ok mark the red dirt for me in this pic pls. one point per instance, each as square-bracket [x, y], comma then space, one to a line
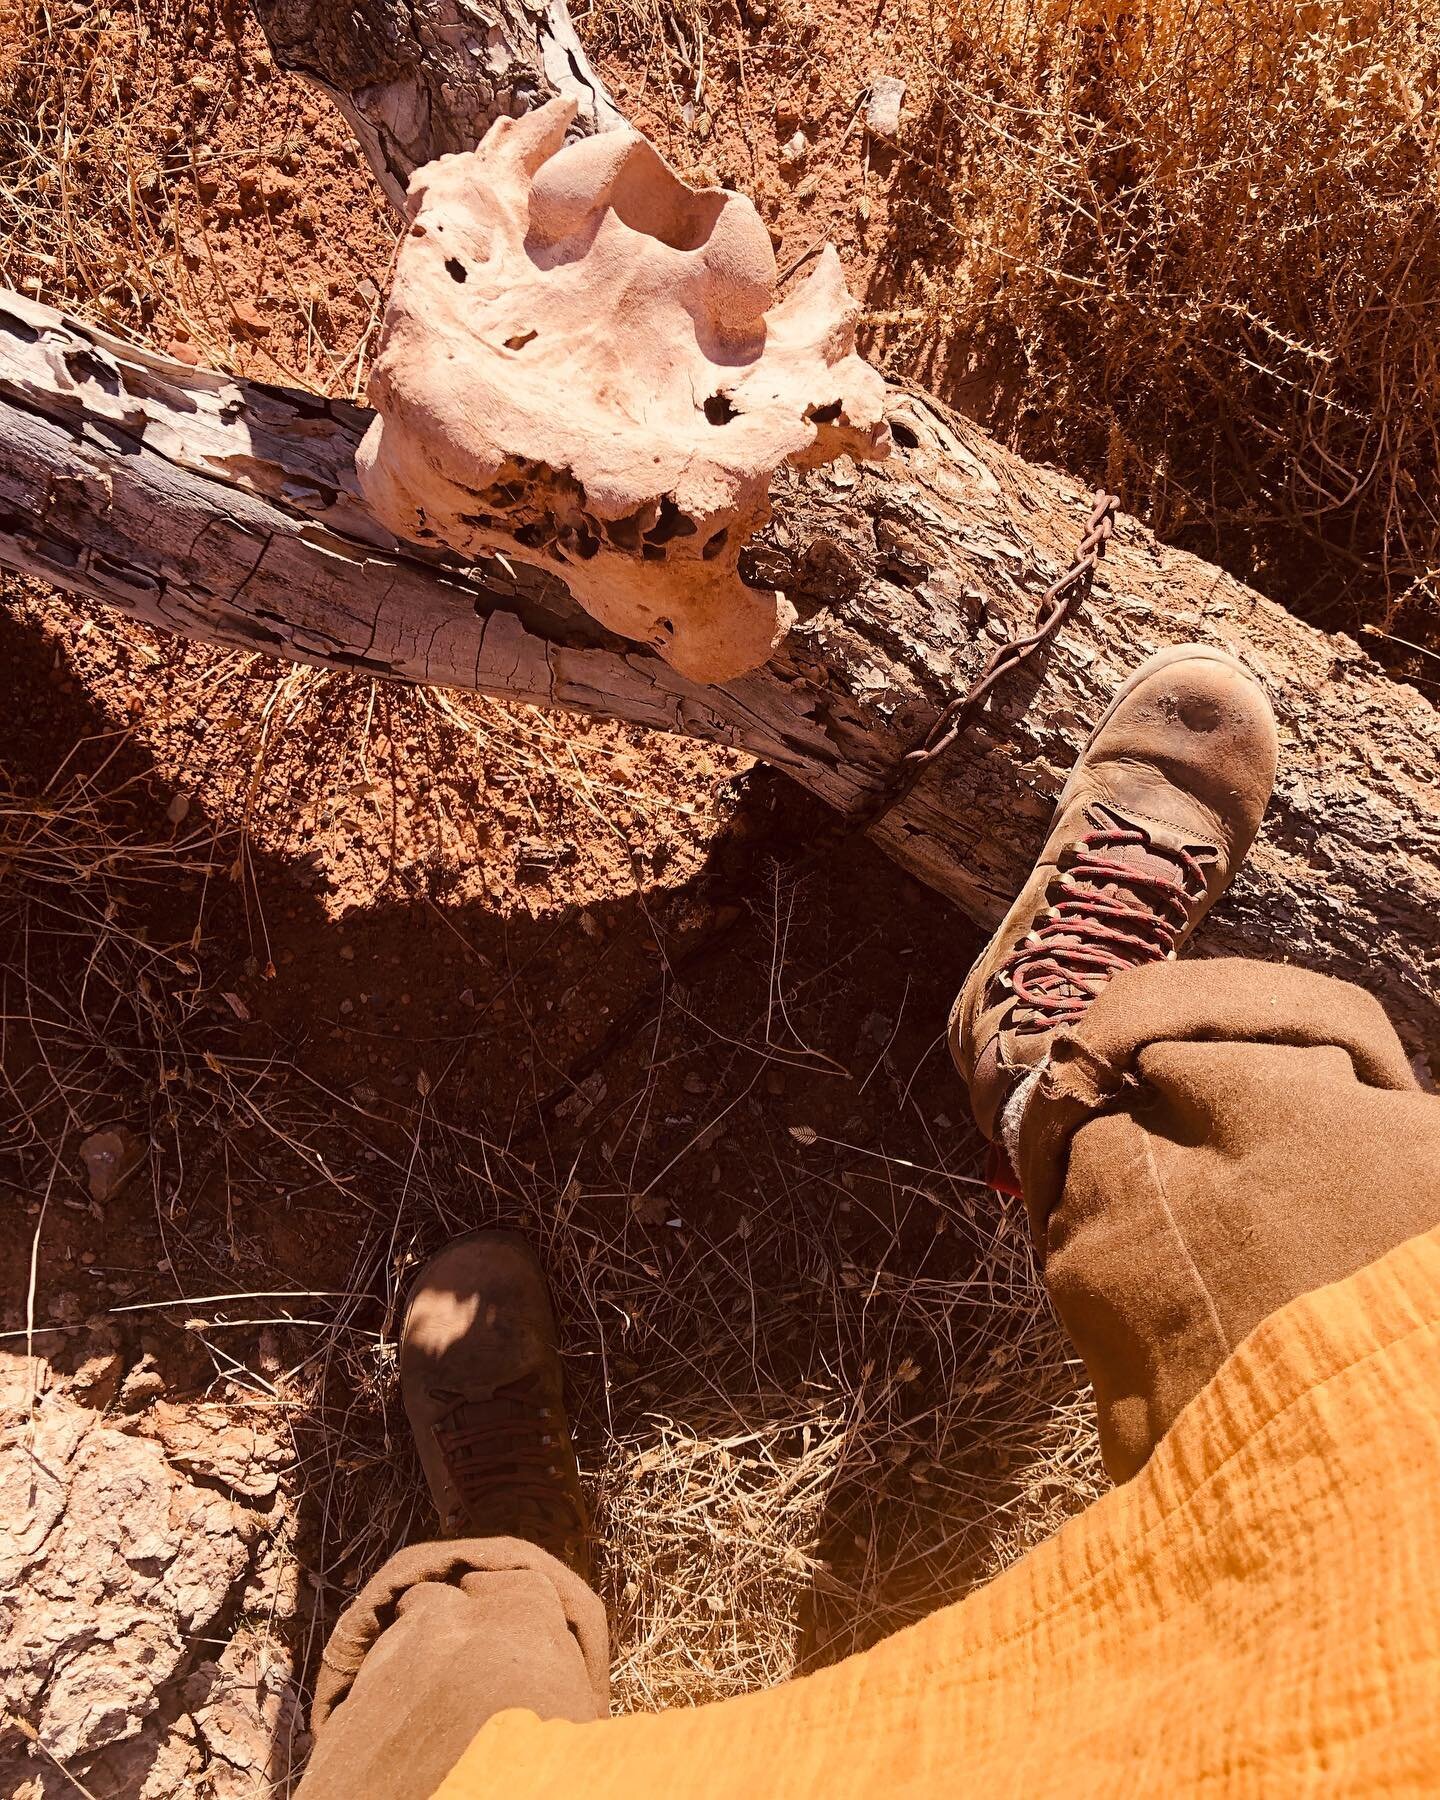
[403, 967]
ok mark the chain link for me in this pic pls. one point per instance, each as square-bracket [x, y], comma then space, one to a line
[1058, 601]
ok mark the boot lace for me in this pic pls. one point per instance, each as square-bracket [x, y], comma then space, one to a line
[506, 1455]
[1111, 914]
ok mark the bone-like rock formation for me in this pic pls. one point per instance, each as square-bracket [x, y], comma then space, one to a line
[583, 365]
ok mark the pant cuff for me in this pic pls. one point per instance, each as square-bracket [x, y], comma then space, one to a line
[1092, 1065]
[447, 1563]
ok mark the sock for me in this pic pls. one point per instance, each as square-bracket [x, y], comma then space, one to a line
[1014, 1111]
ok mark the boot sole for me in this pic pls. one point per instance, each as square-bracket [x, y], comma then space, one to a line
[1162, 659]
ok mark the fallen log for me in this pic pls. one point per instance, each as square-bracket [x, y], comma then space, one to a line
[230, 511]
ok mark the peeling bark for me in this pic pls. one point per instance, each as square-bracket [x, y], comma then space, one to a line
[418, 78]
[229, 511]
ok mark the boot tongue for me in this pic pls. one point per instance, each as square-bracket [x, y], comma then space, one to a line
[1148, 861]
[1122, 892]
[1160, 854]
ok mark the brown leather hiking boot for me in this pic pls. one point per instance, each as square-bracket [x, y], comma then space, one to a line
[480, 1376]
[1155, 819]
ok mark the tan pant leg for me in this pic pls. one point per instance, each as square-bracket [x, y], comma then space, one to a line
[1210, 1141]
[446, 1635]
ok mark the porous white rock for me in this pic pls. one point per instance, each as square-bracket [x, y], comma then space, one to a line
[583, 365]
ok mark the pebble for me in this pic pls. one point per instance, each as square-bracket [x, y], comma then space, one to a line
[794, 151]
[249, 320]
[882, 107]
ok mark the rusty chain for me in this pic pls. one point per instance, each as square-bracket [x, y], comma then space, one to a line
[1056, 604]
[1058, 601]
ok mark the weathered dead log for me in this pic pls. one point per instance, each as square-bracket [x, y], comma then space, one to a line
[229, 511]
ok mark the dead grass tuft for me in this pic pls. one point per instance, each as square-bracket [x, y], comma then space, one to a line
[160, 176]
[1196, 246]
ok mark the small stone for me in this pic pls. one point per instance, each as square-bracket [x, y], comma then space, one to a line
[882, 106]
[109, 1156]
[185, 353]
[250, 321]
[794, 151]
[96, 1381]
[280, 191]
[143, 1384]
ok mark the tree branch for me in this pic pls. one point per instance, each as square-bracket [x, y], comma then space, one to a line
[419, 78]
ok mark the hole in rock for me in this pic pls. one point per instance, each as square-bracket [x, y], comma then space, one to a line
[454, 268]
[824, 415]
[716, 544]
[718, 409]
[625, 533]
[535, 535]
[664, 628]
[904, 436]
[671, 524]
[521, 339]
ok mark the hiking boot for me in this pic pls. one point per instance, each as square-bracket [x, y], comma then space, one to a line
[480, 1377]
[1155, 819]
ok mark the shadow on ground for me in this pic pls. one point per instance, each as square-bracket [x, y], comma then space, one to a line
[815, 1386]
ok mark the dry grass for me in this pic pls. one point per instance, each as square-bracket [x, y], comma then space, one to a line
[158, 175]
[1198, 242]
[794, 1441]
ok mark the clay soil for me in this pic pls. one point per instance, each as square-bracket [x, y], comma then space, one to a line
[334, 970]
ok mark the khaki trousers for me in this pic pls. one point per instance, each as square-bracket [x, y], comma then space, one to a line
[1212, 1140]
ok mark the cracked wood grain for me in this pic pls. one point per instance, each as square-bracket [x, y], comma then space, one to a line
[229, 511]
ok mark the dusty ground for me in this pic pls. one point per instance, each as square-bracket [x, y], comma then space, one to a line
[301, 975]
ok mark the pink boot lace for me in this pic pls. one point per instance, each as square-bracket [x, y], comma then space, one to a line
[1113, 914]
